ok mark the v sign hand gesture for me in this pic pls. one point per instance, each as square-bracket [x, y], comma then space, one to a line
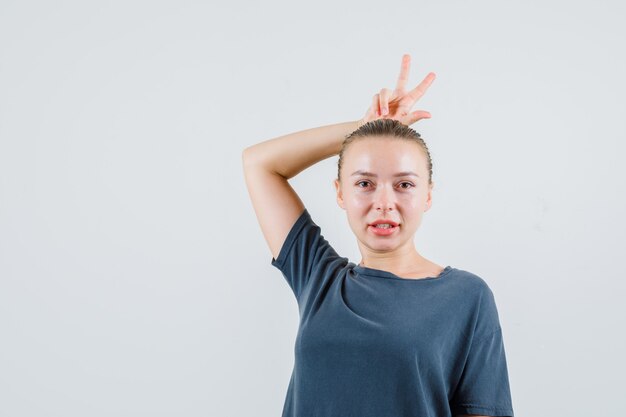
[397, 104]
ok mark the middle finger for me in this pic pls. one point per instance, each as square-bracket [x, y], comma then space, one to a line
[404, 72]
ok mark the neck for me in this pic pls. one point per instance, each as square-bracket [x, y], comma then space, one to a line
[396, 262]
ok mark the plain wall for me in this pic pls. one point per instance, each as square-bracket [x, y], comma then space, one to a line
[134, 278]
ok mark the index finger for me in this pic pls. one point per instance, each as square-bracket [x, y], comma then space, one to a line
[419, 91]
[404, 72]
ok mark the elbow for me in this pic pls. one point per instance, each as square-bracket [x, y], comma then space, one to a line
[252, 156]
[246, 156]
[250, 159]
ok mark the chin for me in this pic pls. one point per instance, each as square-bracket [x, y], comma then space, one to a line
[383, 245]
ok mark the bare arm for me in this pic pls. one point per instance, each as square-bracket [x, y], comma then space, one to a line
[290, 154]
[269, 164]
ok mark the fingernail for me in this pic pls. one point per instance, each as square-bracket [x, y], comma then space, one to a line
[384, 110]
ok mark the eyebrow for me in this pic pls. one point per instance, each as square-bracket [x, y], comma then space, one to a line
[371, 174]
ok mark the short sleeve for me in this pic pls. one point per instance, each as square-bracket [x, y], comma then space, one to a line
[305, 255]
[484, 384]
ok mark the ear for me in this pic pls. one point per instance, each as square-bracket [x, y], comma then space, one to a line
[339, 193]
[429, 199]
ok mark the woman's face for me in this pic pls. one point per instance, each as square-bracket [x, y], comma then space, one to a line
[378, 182]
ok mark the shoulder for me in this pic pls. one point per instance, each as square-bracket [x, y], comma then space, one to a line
[478, 301]
[473, 295]
[469, 282]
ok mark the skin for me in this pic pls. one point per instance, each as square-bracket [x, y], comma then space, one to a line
[404, 200]
[386, 196]
[397, 103]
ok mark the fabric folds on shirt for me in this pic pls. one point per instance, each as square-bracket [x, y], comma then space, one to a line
[373, 344]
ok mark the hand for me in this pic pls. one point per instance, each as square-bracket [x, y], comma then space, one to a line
[397, 104]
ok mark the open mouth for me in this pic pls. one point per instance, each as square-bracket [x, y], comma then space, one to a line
[382, 229]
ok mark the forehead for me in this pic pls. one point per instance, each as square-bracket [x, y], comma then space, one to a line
[384, 155]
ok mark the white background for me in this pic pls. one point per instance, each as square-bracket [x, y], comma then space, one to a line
[134, 279]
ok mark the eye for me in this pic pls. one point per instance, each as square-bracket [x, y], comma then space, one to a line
[409, 185]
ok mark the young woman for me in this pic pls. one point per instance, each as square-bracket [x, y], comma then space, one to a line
[396, 335]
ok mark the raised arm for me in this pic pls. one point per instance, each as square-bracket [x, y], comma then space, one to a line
[268, 165]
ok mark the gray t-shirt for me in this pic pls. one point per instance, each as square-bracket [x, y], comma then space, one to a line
[372, 344]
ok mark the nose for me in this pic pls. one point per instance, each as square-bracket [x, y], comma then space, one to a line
[384, 199]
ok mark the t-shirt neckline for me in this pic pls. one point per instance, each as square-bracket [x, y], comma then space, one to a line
[379, 273]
